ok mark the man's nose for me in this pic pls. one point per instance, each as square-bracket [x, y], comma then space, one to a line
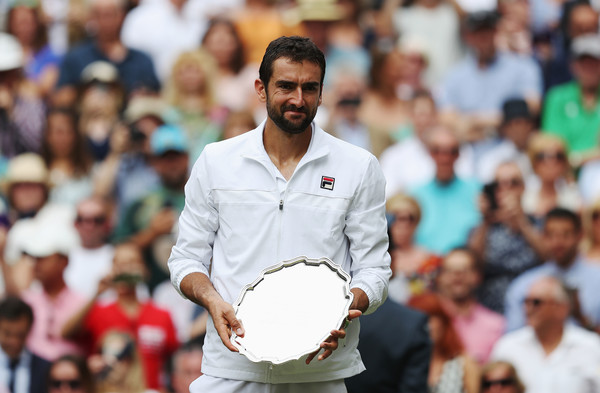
[297, 97]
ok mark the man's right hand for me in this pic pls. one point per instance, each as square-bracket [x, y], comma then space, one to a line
[225, 322]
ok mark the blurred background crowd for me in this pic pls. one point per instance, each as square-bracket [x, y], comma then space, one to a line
[484, 115]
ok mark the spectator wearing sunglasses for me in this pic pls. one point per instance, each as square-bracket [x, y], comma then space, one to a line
[552, 185]
[500, 377]
[550, 355]
[70, 374]
[562, 236]
[507, 240]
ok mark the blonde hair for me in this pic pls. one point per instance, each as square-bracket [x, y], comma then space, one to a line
[399, 201]
[207, 65]
[541, 141]
[520, 388]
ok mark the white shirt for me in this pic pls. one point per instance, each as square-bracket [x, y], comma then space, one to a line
[87, 267]
[22, 377]
[244, 216]
[573, 367]
[503, 152]
[408, 164]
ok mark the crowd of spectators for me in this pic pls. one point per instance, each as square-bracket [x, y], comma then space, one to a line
[485, 118]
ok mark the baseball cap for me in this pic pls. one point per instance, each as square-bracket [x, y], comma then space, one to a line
[515, 109]
[100, 71]
[50, 232]
[11, 53]
[166, 138]
[143, 106]
[586, 45]
[480, 20]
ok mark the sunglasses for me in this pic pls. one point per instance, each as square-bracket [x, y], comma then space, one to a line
[534, 301]
[98, 220]
[71, 383]
[506, 382]
[510, 183]
[443, 151]
[405, 218]
[546, 156]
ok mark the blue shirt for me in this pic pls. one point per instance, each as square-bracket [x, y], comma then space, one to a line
[471, 89]
[136, 71]
[449, 213]
[580, 275]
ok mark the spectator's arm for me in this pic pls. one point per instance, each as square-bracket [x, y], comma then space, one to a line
[75, 325]
[472, 375]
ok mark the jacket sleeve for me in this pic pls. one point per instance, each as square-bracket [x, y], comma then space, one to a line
[366, 229]
[198, 225]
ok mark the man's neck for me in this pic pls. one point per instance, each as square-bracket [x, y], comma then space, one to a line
[54, 288]
[112, 48]
[567, 262]
[285, 149]
[462, 307]
[549, 337]
[129, 303]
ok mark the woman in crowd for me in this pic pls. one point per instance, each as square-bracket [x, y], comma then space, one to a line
[413, 267]
[234, 82]
[553, 185]
[41, 63]
[450, 369]
[190, 94]
[70, 374]
[590, 246]
[500, 377]
[66, 157]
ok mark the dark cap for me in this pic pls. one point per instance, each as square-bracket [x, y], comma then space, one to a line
[481, 20]
[515, 109]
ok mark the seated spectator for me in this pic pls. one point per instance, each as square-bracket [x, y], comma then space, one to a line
[447, 201]
[514, 132]
[413, 267]
[477, 326]
[552, 185]
[70, 373]
[450, 369]
[190, 94]
[590, 246]
[562, 235]
[508, 241]
[186, 363]
[150, 326]
[150, 222]
[49, 243]
[67, 159]
[92, 258]
[570, 110]
[21, 371]
[514, 32]
[136, 70]
[399, 365]
[500, 377]
[549, 354]
[408, 163]
[21, 109]
[472, 94]
[41, 62]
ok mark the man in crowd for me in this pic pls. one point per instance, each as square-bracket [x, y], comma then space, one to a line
[186, 363]
[550, 355]
[562, 235]
[257, 200]
[20, 370]
[478, 327]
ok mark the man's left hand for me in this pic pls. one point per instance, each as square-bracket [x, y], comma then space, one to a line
[331, 343]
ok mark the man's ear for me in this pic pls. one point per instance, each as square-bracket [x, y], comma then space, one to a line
[261, 90]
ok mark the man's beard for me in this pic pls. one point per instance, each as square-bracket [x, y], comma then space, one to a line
[287, 125]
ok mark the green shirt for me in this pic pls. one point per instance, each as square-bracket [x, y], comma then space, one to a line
[565, 116]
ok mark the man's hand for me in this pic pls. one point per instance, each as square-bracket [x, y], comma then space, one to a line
[331, 343]
[225, 322]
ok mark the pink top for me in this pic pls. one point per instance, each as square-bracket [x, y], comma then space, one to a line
[49, 317]
[479, 331]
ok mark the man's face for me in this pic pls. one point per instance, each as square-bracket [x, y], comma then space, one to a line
[587, 72]
[542, 308]
[458, 277]
[562, 239]
[172, 167]
[49, 268]
[518, 131]
[187, 369]
[510, 182]
[28, 197]
[482, 42]
[92, 224]
[13, 334]
[293, 94]
[583, 20]
[444, 149]
[108, 17]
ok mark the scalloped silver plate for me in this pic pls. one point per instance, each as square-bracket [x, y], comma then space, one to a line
[291, 308]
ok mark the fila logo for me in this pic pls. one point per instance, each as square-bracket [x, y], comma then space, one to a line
[327, 182]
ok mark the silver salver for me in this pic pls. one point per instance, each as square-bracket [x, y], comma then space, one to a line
[291, 308]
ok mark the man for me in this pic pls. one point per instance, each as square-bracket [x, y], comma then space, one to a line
[550, 355]
[136, 70]
[478, 327]
[507, 240]
[285, 189]
[151, 326]
[92, 259]
[473, 93]
[187, 362]
[399, 365]
[447, 201]
[571, 109]
[562, 235]
[20, 370]
[49, 243]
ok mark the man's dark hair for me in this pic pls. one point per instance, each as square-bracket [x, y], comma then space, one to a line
[12, 308]
[295, 48]
[559, 213]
